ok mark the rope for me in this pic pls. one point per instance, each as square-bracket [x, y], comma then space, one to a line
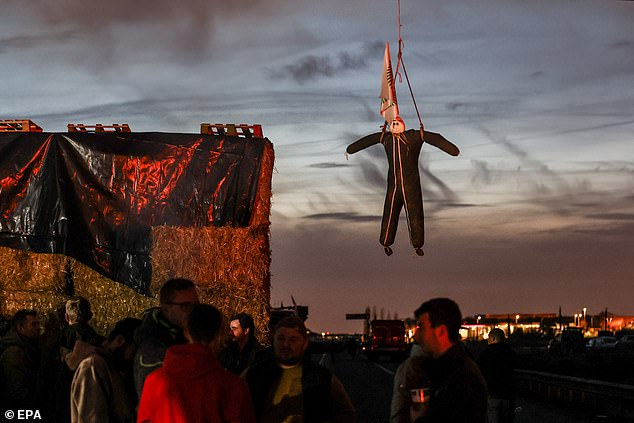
[400, 44]
[412, 94]
[400, 63]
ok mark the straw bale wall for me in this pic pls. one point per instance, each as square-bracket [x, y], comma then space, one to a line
[231, 267]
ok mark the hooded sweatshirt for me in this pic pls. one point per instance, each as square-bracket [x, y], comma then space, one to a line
[191, 386]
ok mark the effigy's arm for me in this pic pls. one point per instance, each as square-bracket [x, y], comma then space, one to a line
[441, 143]
[364, 142]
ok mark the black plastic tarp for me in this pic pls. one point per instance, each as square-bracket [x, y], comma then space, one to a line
[95, 196]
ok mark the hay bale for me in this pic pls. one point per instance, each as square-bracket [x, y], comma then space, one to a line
[229, 265]
[31, 281]
[262, 206]
[27, 271]
[110, 300]
[42, 301]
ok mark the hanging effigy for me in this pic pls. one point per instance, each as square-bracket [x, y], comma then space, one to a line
[402, 149]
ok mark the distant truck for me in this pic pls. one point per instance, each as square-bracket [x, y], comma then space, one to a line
[387, 337]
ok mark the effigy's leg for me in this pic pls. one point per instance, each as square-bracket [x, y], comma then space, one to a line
[391, 212]
[415, 214]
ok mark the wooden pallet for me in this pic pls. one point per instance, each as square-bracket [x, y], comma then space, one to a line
[115, 127]
[19, 125]
[232, 129]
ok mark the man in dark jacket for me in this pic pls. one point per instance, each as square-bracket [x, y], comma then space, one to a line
[292, 388]
[497, 363]
[243, 347]
[19, 362]
[458, 390]
[162, 327]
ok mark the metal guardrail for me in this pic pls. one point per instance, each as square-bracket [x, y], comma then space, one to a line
[605, 397]
[589, 386]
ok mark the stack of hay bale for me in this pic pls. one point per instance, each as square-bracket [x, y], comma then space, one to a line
[230, 265]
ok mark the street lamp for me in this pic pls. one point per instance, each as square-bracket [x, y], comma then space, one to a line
[585, 324]
[517, 318]
[576, 316]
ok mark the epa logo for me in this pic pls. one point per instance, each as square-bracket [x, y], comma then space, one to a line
[23, 414]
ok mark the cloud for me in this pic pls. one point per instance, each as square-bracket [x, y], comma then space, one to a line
[184, 109]
[546, 187]
[312, 67]
[343, 216]
[622, 45]
[327, 165]
[619, 166]
[117, 31]
[456, 105]
[436, 190]
[612, 216]
[374, 174]
[20, 42]
[114, 12]
[449, 205]
[482, 172]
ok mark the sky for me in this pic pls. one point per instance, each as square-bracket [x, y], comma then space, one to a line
[536, 213]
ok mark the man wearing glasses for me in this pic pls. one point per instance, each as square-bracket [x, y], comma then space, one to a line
[163, 327]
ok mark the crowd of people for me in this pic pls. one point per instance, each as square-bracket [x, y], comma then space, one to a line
[174, 365]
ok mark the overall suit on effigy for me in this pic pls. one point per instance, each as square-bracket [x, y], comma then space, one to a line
[403, 181]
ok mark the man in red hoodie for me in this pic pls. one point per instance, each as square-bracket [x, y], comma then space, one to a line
[191, 386]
